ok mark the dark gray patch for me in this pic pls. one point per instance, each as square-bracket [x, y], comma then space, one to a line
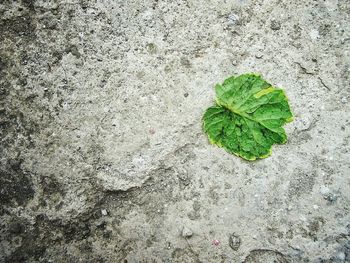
[84, 4]
[16, 186]
[4, 86]
[314, 227]
[28, 248]
[151, 48]
[331, 197]
[183, 178]
[324, 29]
[265, 256]
[49, 22]
[301, 183]
[50, 185]
[74, 51]
[21, 26]
[56, 56]
[275, 25]
[196, 205]
[35, 238]
[30, 4]
[213, 194]
[296, 35]
[300, 137]
[16, 227]
[3, 65]
[13, 123]
[52, 192]
[194, 215]
[185, 62]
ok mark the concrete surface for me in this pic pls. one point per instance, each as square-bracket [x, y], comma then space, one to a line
[102, 154]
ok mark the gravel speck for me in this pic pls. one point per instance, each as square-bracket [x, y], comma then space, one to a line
[186, 232]
[104, 212]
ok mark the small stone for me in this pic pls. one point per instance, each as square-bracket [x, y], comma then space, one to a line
[275, 25]
[74, 51]
[196, 205]
[228, 186]
[344, 99]
[232, 19]
[330, 197]
[314, 34]
[259, 55]
[186, 232]
[193, 215]
[324, 190]
[234, 241]
[104, 212]
[186, 94]
[304, 123]
[54, 11]
[216, 242]
[22, 82]
[151, 48]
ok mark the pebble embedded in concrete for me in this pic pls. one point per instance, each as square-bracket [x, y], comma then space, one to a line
[104, 212]
[234, 241]
[186, 232]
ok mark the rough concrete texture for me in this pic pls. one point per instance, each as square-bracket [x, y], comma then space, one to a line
[102, 154]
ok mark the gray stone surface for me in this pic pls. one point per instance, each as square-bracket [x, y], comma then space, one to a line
[102, 154]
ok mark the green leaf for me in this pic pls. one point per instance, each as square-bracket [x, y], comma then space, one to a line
[248, 116]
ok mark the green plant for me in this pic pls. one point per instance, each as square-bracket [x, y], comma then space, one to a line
[248, 116]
